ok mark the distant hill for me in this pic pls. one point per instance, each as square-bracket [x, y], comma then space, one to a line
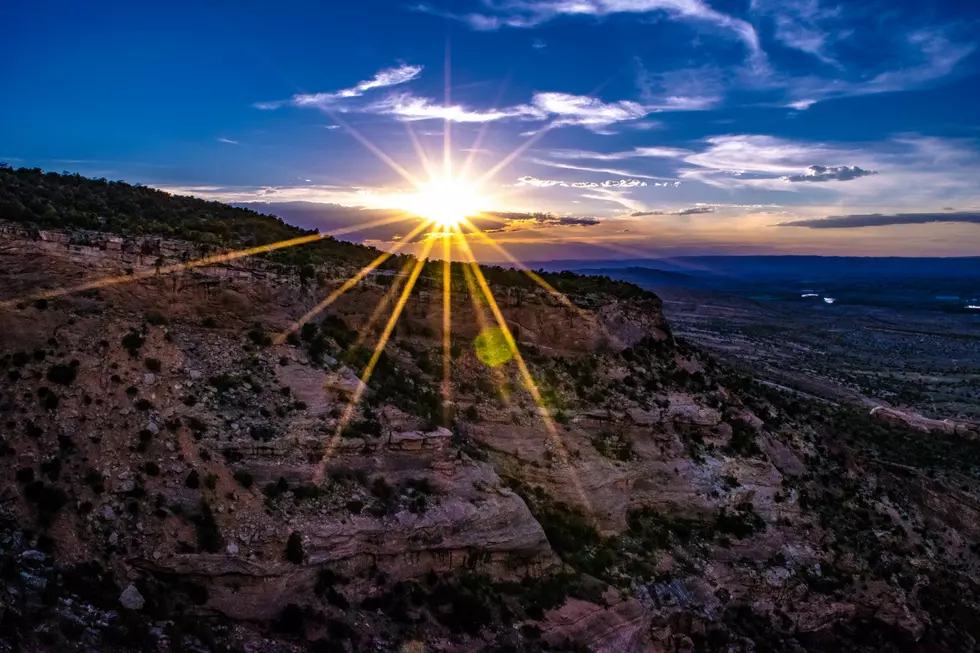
[773, 268]
[48, 200]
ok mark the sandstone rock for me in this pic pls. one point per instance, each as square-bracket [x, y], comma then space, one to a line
[131, 599]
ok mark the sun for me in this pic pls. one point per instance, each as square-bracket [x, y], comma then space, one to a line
[445, 203]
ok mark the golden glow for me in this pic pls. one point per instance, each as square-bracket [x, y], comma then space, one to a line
[445, 203]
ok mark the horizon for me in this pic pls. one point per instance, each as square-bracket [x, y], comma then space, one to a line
[688, 129]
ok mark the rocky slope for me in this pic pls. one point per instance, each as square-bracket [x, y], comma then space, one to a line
[173, 480]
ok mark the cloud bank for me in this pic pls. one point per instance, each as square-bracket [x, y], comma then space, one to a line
[858, 221]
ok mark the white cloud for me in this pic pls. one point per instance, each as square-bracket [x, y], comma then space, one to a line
[228, 141]
[562, 109]
[383, 78]
[532, 13]
[609, 183]
[608, 171]
[637, 152]
[410, 108]
[928, 55]
[587, 111]
[910, 170]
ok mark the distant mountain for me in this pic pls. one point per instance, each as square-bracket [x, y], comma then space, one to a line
[641, 276]
[773, 268]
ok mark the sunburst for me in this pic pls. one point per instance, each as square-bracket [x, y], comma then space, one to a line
[444, 206]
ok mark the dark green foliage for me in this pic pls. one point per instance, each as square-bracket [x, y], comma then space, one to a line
[95, 480]
[743, 441]
[153, 364]
[614, 445]
[62, 374]
[294, 549]
[224, 382]
[25, 475]
[51, 401]
[308, 332]
[741, 522]
[193, 480]
[151, 468]
[243, 478]
[48, 499]
[277, 489]
[258, 336]
[132, 342]
[209, 537]
[211, 480]
[156, 319]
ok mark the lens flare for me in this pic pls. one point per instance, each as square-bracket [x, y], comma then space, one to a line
[446, 203]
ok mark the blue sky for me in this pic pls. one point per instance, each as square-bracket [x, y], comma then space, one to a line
[640, 126]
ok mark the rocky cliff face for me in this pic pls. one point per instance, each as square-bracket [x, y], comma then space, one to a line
[174, 480]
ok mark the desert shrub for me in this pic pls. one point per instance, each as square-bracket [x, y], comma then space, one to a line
[151, 468]
[294, 548]
[742, 442]
[153, 364]
[156, 319]
[193, 480]
[63, 374]
[741, 522]
[132, 342]
[243, 478]
[258, 336]
[209, 537]
[277, 489]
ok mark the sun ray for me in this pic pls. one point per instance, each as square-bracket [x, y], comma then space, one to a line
[526, 377]
[377, 151]
[198, 263]
[365, 331]
[478, 142]
[489, 174]
[176, 267]
[447, 139]
[534, 276]
[347, 285]
[481, 319]
[420, 152]
[447, 305]
[369, 368]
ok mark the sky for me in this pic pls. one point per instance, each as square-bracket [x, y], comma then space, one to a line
[585, 128]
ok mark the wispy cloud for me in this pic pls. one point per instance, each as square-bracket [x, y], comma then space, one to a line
[925, 56]
[879, 220]
[608, 171]
[693, 210]
[609, 183]
[228, 141]
[637, 152]
[561, 109]
[404, 106]
[523, 14]
[383, 78]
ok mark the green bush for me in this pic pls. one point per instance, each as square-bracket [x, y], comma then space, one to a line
[63, 374]
[294, 549]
